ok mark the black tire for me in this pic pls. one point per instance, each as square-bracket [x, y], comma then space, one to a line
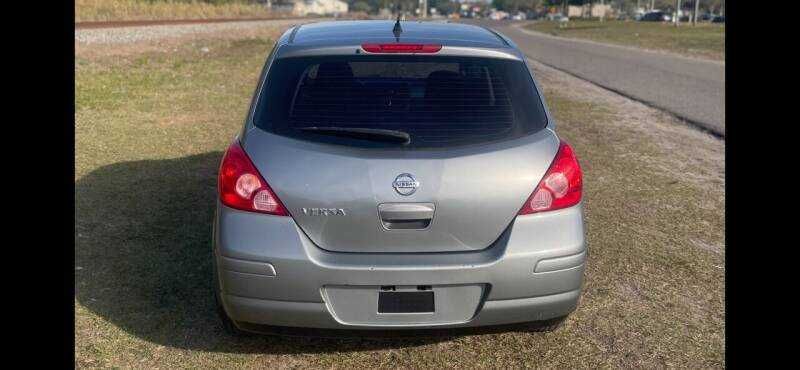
[547, 326]
[227, 323]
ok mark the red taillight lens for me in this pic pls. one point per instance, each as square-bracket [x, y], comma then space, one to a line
[561, 186]
[401, 48]
[242, 187]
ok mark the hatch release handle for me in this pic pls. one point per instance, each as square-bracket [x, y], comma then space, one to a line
[406, 216]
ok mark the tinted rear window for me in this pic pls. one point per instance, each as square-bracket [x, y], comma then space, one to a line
[438, 101]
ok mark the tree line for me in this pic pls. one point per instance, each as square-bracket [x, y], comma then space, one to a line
[713, 6]
[511, 6]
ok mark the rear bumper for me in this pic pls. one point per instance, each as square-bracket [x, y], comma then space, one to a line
[272, 274]
[317, 315]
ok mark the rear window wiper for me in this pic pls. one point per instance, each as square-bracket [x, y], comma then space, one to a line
[393, 136]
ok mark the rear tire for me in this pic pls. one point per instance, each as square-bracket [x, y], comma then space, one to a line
[547, 326]
[227, 323]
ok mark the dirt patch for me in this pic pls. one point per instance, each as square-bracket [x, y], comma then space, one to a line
[708, 246]
[178, 119]
[92, 44]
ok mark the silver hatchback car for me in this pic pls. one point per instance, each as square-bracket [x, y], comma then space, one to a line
[397, 175]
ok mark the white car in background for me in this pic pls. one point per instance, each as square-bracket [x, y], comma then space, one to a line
[498, 15]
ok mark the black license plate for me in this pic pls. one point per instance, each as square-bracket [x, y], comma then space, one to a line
[405, 302]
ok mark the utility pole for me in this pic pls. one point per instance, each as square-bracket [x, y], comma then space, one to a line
[677, 12]
[696, 10]
[602, 10]
[652, 4]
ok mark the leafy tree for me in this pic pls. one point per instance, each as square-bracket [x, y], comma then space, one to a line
[361, 6]
[445, 6]
[513, 6]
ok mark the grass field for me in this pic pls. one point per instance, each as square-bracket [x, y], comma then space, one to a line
[705, 40]
[150, 131]
[124, 10]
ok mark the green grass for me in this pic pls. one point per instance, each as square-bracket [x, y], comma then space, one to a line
[150, 131]
[705, 40]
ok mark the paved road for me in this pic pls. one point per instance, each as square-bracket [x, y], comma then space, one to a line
[689, 88]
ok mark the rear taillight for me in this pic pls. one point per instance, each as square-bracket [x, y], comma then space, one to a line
[401, 48]
[242, 187]
[561, 186]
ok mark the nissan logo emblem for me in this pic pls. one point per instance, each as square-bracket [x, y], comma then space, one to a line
[405, 184]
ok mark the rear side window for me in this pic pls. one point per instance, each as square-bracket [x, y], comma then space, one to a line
[438, 101]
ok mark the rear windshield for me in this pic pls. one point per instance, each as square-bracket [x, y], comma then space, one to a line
[439, 101]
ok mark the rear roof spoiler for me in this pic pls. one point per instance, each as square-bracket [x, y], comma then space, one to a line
[296, 50]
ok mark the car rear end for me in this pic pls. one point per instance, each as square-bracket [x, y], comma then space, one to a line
[400, 179]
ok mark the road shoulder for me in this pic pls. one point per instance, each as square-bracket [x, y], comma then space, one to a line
[521, 27]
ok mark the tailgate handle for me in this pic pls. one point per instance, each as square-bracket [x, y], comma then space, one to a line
[406, 216]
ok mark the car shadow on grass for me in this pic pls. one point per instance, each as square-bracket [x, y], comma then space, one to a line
[143, 260]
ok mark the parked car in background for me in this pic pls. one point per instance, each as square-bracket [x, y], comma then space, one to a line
[657, 16]
[534, 15]
[520, 16]
[707, 17]
[498, 15]
[557, 17]
[718, 19]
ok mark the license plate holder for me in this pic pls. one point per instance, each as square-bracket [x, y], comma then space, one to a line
[406, 302]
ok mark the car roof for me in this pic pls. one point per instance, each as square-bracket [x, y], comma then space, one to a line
[338, 33]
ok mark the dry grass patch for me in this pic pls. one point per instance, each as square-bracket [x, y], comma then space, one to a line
[129, 10]
[172, 40]
[706, 40]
